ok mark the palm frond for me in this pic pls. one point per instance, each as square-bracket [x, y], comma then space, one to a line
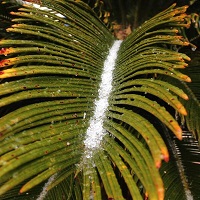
[193, 106]
[50, 80]
[69, 50]
[191, 120]
[181, 174]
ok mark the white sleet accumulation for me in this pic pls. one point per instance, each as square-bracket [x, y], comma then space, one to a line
[35, 5]
[95, 131]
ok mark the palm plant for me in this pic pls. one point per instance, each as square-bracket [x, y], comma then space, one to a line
[51, 71]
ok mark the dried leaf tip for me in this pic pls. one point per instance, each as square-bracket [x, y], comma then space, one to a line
[12, 12]
[185, 96]
[5, 51]
[161, 193]
[182, 110]
[158, 165]
[182, 9]
[165, 154]
[187, 78]
[178, 133]
[3, 63]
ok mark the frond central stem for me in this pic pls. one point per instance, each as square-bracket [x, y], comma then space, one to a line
[95, 131]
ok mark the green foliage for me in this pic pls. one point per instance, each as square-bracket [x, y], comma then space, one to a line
[50, 73]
